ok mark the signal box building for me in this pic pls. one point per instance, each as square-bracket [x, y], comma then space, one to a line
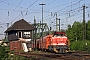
[19, 34]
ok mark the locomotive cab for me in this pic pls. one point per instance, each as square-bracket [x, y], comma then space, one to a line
[59, 43]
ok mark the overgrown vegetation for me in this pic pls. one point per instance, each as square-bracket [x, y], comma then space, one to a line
[75, 35]
[6, 55]
[3, 53]
[75, 32]
[80, 45]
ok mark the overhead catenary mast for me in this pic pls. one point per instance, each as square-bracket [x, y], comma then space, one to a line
[57, 23]
[84, 24]
[42, 18]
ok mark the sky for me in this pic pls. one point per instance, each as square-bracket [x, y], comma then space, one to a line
[68, 11]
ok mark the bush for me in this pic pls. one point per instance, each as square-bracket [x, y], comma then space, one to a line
[80, 45]
[3, 53]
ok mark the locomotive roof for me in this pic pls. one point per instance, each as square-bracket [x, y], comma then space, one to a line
[59, 33]
[20, 25]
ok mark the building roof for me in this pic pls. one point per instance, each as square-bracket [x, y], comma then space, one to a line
[20, 25]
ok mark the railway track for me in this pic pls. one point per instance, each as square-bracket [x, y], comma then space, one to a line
[52, 56]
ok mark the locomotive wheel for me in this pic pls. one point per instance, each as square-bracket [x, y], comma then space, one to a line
[62, 50]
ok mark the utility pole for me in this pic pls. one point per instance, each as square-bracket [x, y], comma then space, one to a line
[57, 23]
[7, 28]
[35, 32]
[7, 25]
[84, 24]
[42, 18]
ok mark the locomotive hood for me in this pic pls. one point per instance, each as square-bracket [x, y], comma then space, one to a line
[59, 40]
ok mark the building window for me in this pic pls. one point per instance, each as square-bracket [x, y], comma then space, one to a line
[27, 34]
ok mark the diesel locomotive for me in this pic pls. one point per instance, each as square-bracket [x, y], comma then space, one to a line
[57, 42]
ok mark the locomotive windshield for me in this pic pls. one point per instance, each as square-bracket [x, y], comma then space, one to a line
[59, 34]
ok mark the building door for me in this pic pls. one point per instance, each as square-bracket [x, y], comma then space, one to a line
[20, 35]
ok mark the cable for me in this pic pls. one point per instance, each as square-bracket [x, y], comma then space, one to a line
[67, 7]
[51, 2]
[69, 11]
[64, 4]
[17, 6]
[13, 9]
[70, 5]
[11, 4]
[25, 10]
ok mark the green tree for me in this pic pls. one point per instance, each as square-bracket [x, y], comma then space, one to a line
[77, 30]
[88, 30]
[69, 32]
[3, 53]
[74, 32]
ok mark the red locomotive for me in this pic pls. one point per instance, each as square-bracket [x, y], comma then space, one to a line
[57, 42]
